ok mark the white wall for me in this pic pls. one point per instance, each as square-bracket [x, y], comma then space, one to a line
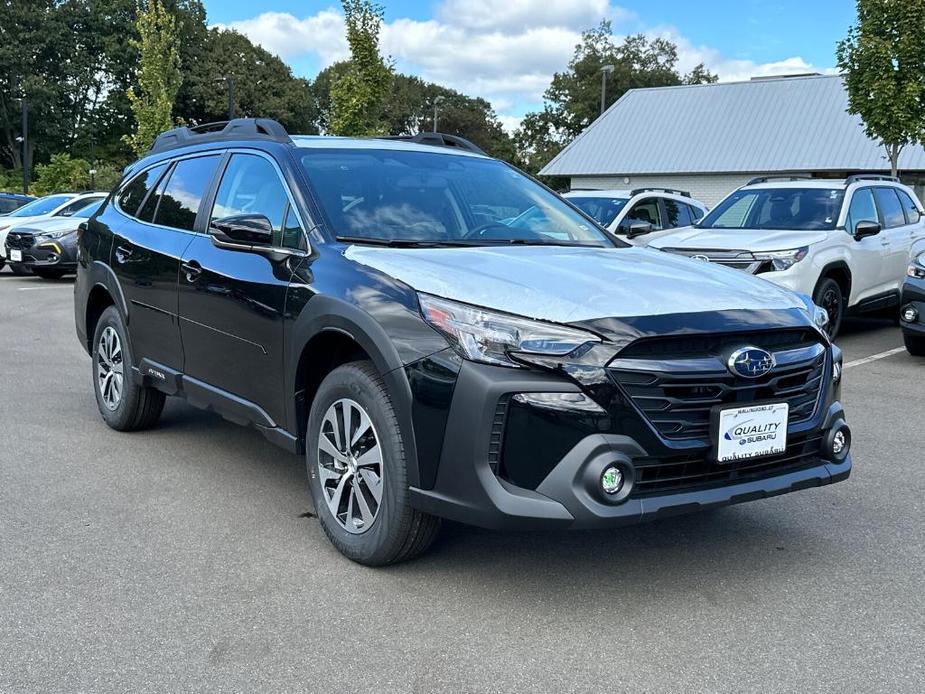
[708, 188]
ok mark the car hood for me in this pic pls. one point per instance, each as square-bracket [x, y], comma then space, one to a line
[43, 225]
[737, 239]
[566, 284]
[12, 222]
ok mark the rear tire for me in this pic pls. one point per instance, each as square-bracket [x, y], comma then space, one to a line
[124, 405]
[353, 412]
[915, 344]
[829, 296]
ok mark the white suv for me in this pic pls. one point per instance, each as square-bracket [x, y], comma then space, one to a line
[845, 242]
[641, 215]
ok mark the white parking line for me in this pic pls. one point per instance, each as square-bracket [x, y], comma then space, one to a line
[47, 286]
[874, 357]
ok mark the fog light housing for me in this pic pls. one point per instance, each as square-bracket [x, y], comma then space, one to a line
[910, 314]
[838, 442]
[611, 480]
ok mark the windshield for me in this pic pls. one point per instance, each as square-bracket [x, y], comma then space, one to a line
[800, 209]
[603, 210]
[421, 198]
[41, 206]
[88, 211]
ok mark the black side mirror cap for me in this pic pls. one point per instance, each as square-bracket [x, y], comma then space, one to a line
[865, 229]
[243, 229]
[639, 229]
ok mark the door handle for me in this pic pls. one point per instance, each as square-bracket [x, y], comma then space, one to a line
[192, 270]
[123, 253]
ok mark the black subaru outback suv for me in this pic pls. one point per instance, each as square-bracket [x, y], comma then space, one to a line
[443, 337]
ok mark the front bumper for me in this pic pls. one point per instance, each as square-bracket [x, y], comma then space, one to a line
[471, 486]
[51, 253]
[913, 294]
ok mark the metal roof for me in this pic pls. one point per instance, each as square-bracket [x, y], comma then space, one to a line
[781, 124]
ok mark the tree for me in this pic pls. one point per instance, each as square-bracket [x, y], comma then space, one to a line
[264, 86]
[573, 101]
[159, 75]
[358, 96]
[883, 64]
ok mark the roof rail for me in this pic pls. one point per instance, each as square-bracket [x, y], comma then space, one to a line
[237, 129]
[656, 189]
[854, 178]
[438, 140]
[782, 177]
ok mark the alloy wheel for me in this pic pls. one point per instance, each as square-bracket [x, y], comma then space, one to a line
[110, 368]
[832, 304]
[350, 466]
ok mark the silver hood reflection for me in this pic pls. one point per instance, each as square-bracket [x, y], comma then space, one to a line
[566, 284]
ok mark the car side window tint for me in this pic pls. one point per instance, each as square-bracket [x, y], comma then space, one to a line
[179, 203]
[890, 208]
[696, 213]
[292, 232]
[149, 206]
[250, 185]
[7, 205]
[909, 207]
[646, 210]
[862, 209]
[132, 195]
[677, 214]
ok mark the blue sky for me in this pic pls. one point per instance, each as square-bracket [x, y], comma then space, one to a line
[506, 50]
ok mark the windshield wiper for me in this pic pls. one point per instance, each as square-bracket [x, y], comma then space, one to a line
[405, 243]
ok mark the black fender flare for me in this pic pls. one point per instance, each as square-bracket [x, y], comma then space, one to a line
[99, 274]
[325, 313]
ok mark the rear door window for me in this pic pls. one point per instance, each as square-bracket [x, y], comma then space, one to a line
[135, 192]
[909, 207]
[179, 203]
[890, 208]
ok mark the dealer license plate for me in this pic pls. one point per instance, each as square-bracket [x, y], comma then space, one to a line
[16, 256]
[750, 432]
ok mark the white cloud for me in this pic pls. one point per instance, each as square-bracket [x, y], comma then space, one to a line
[505, 51]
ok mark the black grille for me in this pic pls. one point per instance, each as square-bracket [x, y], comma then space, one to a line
[497, 434]
[20, 240]
[689, 472]
[677, 393]
[700, 345]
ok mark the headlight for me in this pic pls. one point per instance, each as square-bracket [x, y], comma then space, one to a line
[917, 268]
[57, 234]
[820, 317]
[781, 260]
[486, 336]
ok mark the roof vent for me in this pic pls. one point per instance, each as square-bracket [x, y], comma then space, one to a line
[760, 78]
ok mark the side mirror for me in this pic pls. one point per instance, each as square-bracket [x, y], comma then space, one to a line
[864, 229]
[639, 229]
[243, 230]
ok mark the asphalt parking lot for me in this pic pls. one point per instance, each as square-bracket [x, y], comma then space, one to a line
[181, 559]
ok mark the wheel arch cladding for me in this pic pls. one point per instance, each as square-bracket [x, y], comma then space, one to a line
[841, 273]
[327, 322]
[98, 301]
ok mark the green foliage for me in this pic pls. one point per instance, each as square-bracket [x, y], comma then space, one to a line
[883, 61]
[359, 94]
[159, 75]
[263, 84]
[11, 180]
[573, 99]
[64, 173]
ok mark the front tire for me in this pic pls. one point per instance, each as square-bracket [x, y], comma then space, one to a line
[358, 473]
[829, 296]
[915, 344]
[124, 405]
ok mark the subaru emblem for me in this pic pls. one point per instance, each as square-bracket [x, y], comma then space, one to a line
[750, 362]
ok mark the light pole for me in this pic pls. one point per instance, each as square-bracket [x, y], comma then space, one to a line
[437, 101]
[605, 70]
[229, 85]
[24, 139]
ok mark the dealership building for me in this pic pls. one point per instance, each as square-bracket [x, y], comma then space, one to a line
[710, 139]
